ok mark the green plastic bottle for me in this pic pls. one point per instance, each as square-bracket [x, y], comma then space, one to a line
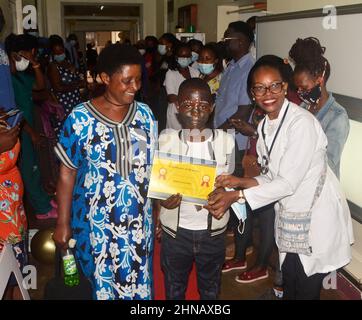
[71, 275]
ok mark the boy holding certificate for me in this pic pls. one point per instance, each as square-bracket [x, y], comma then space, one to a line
[190, 233]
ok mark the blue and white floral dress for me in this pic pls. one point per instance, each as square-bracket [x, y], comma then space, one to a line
[111, 214]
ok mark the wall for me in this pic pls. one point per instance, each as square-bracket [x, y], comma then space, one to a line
[9, 13]
[161, 26]
[55, 21]
[283, 6]
[207, 15]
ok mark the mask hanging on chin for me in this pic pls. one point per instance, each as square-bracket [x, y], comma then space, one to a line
[59, 57]
[311, 97]
[22, 65]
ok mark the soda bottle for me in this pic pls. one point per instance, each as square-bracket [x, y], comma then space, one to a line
[71, 275]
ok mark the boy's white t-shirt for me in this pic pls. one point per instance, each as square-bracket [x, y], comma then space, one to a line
[190, 218]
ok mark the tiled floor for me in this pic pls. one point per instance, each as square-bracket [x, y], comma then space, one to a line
[230, 290]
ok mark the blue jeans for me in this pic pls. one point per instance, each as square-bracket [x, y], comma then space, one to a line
[178, 255]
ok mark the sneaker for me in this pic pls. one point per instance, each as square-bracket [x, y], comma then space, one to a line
[252, 276]
[234, 265]
[52, 214]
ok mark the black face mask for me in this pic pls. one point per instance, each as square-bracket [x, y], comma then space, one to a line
[311, 97]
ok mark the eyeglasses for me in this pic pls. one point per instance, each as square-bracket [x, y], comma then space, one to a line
[230, 38]
[275, 88]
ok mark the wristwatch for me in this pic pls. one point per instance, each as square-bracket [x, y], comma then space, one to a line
[241, 197]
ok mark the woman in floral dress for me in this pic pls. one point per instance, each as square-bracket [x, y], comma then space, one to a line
[12, 216]
[106, 147]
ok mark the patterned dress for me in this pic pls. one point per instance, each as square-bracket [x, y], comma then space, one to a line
[111, 214]
[13, 223]
[68, 99]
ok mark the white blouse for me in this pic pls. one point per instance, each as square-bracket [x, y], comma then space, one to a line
[295, 166]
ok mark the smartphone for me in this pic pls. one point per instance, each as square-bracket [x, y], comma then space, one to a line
[17, 119]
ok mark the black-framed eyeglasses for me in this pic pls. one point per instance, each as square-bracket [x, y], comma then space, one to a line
[260, 90]
[264, 165]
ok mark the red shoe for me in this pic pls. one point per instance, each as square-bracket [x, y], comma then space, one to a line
[252, 276]
[52, 214]
[233, 265]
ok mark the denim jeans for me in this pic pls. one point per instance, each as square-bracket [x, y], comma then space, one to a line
[178, 255]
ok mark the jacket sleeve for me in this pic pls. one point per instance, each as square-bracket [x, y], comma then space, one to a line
[337, 133]
[301, 141]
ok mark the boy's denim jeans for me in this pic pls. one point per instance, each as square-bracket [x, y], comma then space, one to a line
[178, 255]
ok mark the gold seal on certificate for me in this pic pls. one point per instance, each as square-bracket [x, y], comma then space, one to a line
[192, 178]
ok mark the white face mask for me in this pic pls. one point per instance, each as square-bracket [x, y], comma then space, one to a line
[22, 65]
[142, 51]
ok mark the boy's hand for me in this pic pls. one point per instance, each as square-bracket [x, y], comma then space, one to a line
[220, 201]
[227, 181]
[172, 202]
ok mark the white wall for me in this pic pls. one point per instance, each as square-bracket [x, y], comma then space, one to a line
[55, 20]
[283, 6]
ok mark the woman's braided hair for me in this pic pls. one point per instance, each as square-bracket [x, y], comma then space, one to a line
[308, 56]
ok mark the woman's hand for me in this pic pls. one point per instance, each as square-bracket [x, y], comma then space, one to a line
[228, 181]
[243, 127]
[8, 138]
[30, 56]
[220, 201]
[172, 202]
[61, 235]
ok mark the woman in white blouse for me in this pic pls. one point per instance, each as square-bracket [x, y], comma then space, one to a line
[313, 228]
[174, 77]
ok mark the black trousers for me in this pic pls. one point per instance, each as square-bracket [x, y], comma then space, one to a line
[266, 216]
[297, 285]
[178, 255]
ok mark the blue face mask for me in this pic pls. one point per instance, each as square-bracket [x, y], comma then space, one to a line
[206, 68]
[195, 56]
[162, 49]
[184, 62]
[59, 57]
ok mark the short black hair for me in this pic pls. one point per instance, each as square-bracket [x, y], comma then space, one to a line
[55, 40]
[244, 28]
[275, 62]
[16, 43]
[308, 55]
[195, 42]
[195, 84]
[169, 37]
[114, 57]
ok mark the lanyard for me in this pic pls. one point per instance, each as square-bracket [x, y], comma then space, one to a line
[276, 135]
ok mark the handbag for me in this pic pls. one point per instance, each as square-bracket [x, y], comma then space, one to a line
[250, 164]
[56, 289]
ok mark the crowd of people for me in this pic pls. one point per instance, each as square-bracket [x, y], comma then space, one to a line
[82, 151]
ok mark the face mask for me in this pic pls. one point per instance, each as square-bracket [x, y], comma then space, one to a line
[142, 51]
[311, 97]
[59, 57]
[195, 56]
[206, 68]
[162, 50]
[22, 65]
[184, 62]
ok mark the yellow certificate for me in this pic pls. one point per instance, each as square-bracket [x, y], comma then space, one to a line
[193, 178]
